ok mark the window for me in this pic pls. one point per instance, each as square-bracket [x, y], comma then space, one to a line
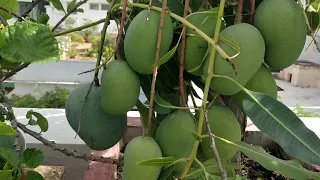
[104, 7]
[93, 6]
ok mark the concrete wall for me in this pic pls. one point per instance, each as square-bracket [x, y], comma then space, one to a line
[311, 54]
[93, 15]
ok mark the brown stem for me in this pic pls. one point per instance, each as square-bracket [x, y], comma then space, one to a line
[214, 148]
[183, 47]
[68, 14]
[123, 17]
[20, 18]
[238, 18]
[3, 20]
[233, 66]
[204, 4]
[13, 72]
[65, 151]
[155, 68]
[252, 11]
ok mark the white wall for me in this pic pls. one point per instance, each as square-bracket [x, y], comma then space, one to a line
[93, 15]
[311, 54]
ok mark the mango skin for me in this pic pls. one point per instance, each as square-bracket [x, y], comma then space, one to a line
[120, 88]
[139, 149]
[284, 29]
[174, 136]
[196, 47]
[141, 40]
[262, 82]
[223, 123]
[99, 130]
[247, 63]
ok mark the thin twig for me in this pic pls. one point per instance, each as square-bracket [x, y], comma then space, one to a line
[3, 20]
[233, 66]
[13, 72]
[100, 66]
[204, 4]
[13, 121]
[12, 13]
[155, 68]
[183, 47]
[68, 14]
[214, 148]
[80, 28]
[238, 18]
[102, 40]
[65, 151]
[252, 11]
[30, 7]
[123, 17]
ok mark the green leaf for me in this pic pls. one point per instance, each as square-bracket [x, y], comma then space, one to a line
[291, 168]
[5, 175]
[165, 173]
[314, 19]
[57, 4]
[168, 55]
[41, 120]
[11, 5]
[43, 18]
[161, 161]
[203, 59]
[33, 175]
[32, 122]
[175, 6]
[25, 37]
[6, 130]
[71, 5]
[10, 155]
[32, 157]
[212, 168]
[232, 43]
[2, 119]
[283, 126]
[144, 113]
[166, 104]
[80, 10]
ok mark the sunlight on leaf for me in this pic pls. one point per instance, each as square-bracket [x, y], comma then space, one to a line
[57, 4]
[11, 5]
[6, 130]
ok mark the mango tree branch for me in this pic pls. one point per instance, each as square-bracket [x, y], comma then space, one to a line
[252, 11]
[123, 17]
[214, 148]
[183, 47]
[68, 14]
[12, 13]
[30, 7]
[13, 72]
[186, 23]
[101, 45]
[238, 18]
[13, 121]
[155, 68]
[193, 154]
[80, 27]
[65, 151]
[3, 20]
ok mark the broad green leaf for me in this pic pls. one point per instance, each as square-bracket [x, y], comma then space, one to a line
[5, 175]
[6, 130]
[71, 5]
[144, 113]
[25, 37]
[313, 18]
[11, 5]
[195, 5]
[32, 122]
[166, 104]
[289, 168]
[43, 18]
[283, 126]
[41, 120]
[57, 4]
[165, 173]
[159, 109]
[175, 6]
[161, 161]
[10, 155]
[168, 55]
[32, 157]
[33, 175]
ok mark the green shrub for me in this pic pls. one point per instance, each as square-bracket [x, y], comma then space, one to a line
[75, 37]
[27, 100]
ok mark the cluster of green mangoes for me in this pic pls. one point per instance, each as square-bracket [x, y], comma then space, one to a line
[98, 114]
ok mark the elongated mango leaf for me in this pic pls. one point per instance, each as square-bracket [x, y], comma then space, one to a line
[6, 130]
[289, 168]
[11, 5]
[283, 126]
[57, 4]
[165, 173]
[161, 161]
[10, 156]
[169, 54]
[71, 5]
[6, 174]
[175, 6]
[25, 37]
[166, 104]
